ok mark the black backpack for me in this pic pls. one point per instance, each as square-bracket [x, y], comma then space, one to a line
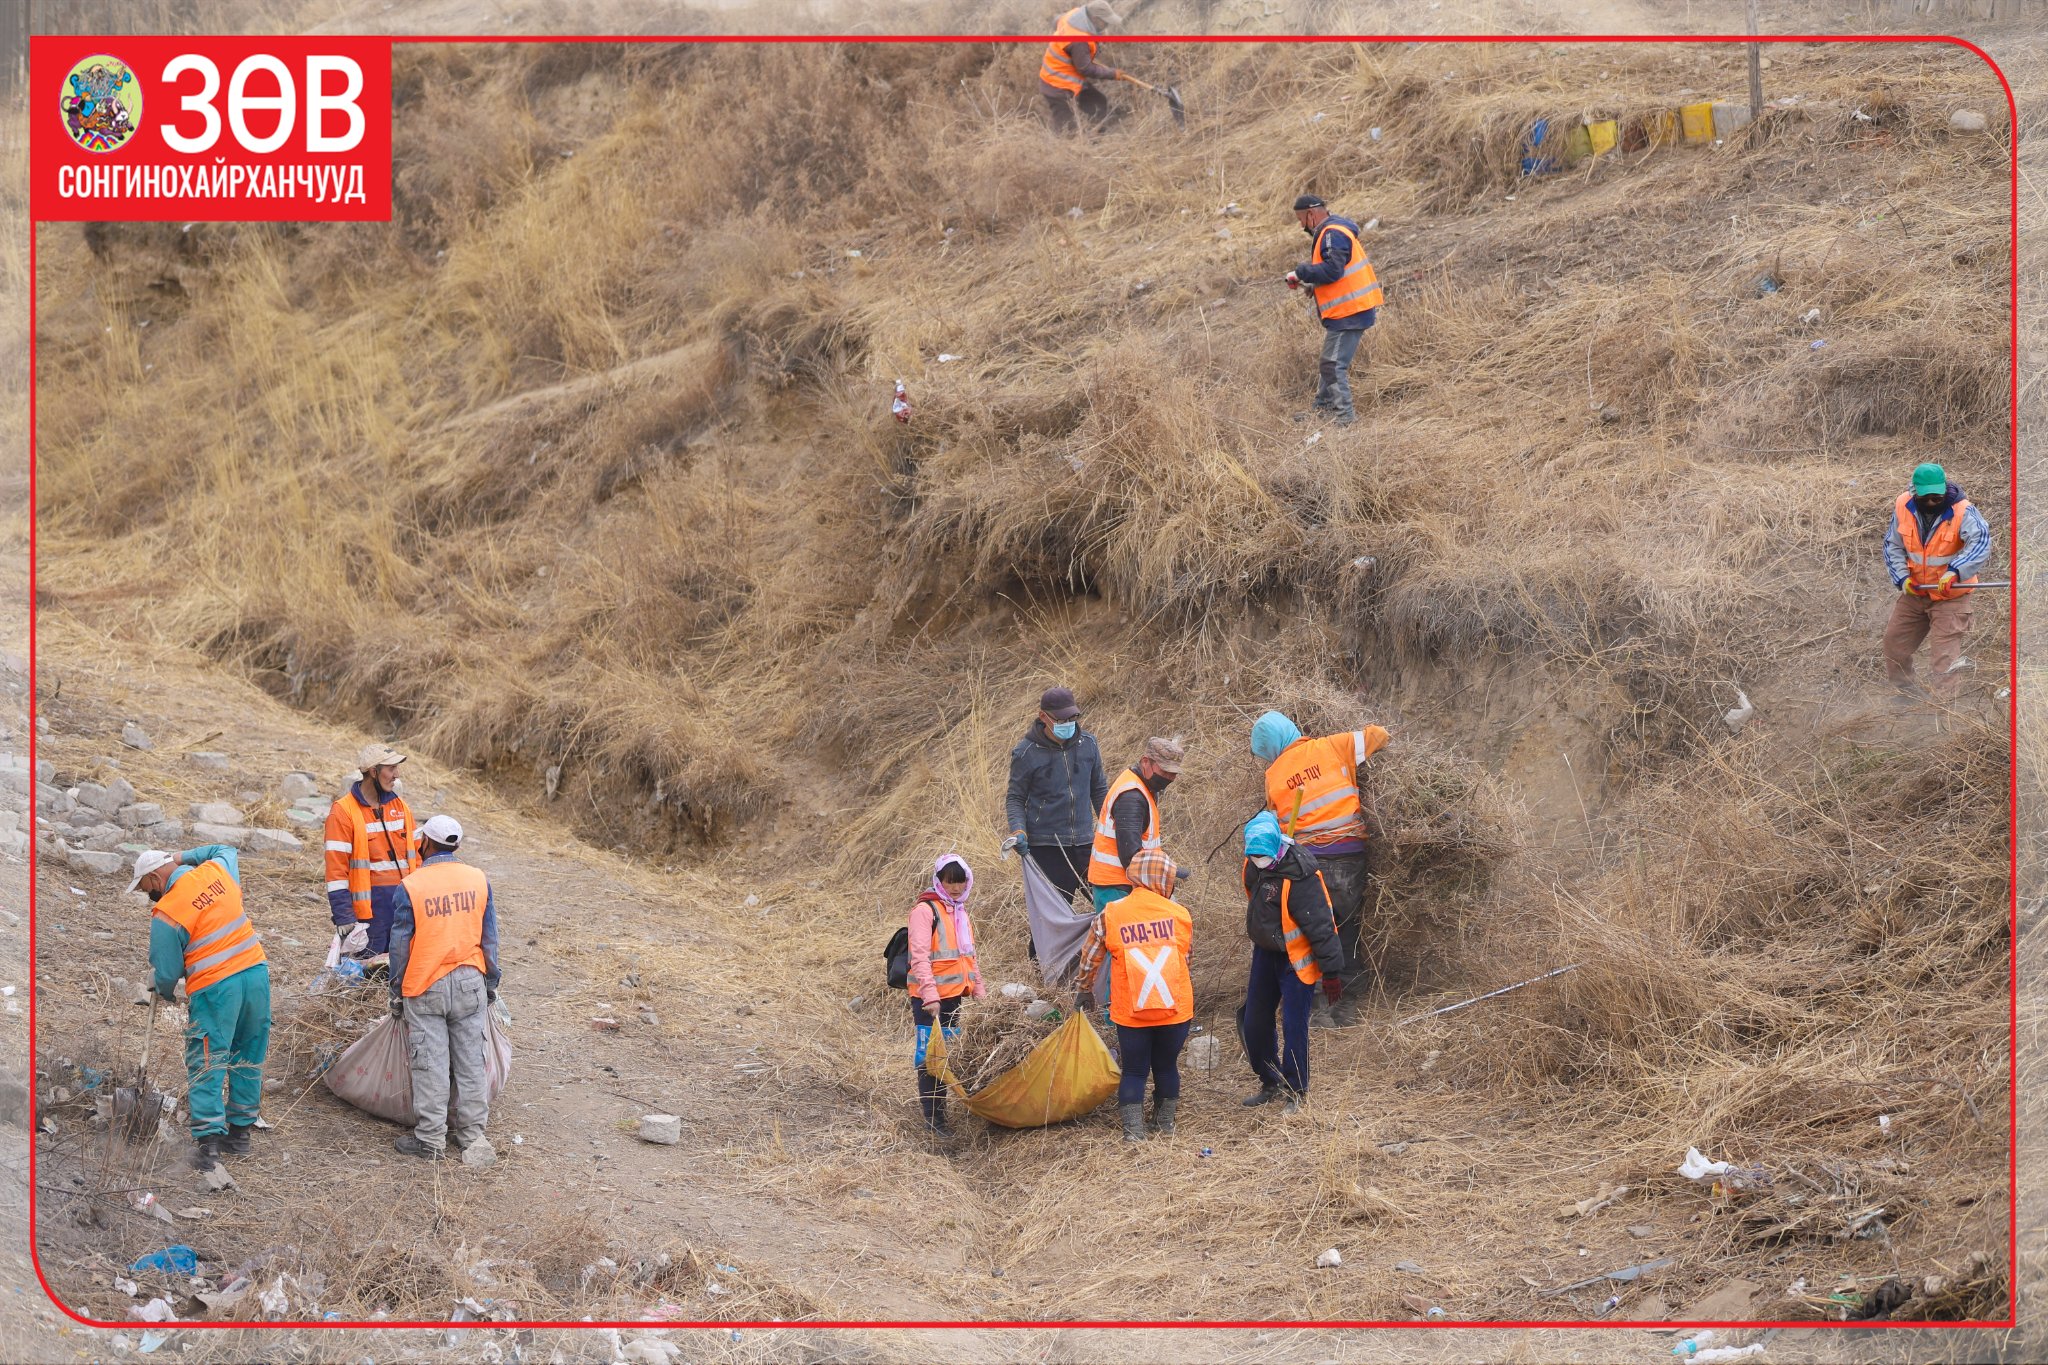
[897, 952]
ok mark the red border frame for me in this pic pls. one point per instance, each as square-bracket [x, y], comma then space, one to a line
[2012, 682]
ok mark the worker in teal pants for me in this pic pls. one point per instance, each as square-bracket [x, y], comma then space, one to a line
[199, 932]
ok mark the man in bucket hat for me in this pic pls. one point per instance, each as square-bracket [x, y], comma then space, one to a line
[1129, 821]
[369, 851]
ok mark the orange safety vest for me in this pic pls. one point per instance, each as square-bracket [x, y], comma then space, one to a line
[1354, 291]
[448, 901]
[1148, 938]
[1313, 786]
[1104, 867]
[952, 970]
[1055, 70]
[1301, 954]
[1925, 564]
[365, 849]
[219, 940]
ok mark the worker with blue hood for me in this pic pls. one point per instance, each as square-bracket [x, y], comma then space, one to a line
[1294, 949]
[1316, 789]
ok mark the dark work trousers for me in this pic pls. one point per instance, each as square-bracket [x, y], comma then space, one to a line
[1152, 1051]
[1060, 106]
[1346, 878]
[931, 1091]
[1272, 987]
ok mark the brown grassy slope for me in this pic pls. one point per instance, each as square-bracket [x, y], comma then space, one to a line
[584, 462]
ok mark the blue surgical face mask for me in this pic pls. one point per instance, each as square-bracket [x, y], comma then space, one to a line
[1065, 729]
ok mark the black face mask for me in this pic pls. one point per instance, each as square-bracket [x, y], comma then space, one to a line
[1932, 503]
[1308, 230]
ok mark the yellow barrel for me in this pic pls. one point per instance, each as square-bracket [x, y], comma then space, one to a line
[1697, 121]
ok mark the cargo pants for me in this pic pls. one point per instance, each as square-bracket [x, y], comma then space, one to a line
[225, 1045]
[444, 1038]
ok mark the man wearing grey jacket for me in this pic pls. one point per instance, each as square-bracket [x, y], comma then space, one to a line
[1056, 788]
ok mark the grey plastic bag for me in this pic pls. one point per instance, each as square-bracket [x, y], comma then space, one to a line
[375, 1074]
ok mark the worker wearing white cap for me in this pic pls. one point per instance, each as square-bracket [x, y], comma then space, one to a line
[369, 851]
[444, 976]
[199, 932]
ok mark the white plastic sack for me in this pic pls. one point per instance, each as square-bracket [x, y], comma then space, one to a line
[375, 1074]
[1057, 929]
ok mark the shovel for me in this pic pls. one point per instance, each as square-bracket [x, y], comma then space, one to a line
[1180, 111]
[137, 1108]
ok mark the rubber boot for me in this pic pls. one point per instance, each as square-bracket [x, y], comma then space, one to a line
[931, 1098]
[1162, 1115]
[1134, 1121]
[236, 1143]
[1268, 1092]
[208, 1154]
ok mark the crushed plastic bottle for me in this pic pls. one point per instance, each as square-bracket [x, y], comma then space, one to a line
[901, 405]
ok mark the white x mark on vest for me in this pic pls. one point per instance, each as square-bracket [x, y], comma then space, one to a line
[1154, 968]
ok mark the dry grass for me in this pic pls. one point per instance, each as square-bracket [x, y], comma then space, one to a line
[581, 477]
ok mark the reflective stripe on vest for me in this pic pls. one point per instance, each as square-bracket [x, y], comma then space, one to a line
[206, 904]
[1104, 867]
[1354, 291]
[448, 901]
[1055, 70]
[1148, 939]
[1301, 954]
[1926, 562]
[355, 840]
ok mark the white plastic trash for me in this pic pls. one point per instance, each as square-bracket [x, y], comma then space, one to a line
[1329, 1260]
[1697, 1167]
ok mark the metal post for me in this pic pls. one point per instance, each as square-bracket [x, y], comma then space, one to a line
[1756, 72]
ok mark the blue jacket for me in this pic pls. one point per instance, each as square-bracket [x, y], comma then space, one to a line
[1976, 540]
[401, 930]
[1055, 788]
[1336, 256]
[166, 940]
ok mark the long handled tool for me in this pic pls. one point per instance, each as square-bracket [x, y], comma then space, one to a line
[137, 1110]
[2003, 584]
[1180, 111]
[1431, 1014]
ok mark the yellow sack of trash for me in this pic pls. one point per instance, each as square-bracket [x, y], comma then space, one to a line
[1065, 1076]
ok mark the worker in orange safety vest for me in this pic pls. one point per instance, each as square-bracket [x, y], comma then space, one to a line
[1145, 937]
[369, 850]
[1934, 545]
[1069, 64]
[444, 977]
[1316, 789]
[1347, 296]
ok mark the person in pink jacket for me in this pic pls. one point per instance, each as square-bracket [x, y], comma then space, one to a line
[942, 972]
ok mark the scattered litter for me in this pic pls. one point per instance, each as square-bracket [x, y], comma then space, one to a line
[1208, 1151]
[1738, 716]
[1374, 134]
[1862, 117]
[665, 1129]
[1313, 437]
[900, 406]
[715, 1289]
[228, 1295]
[1371, 223]
[1625, 1275]
[1613, 1302]
[1721, 1353]
[947, 359]
[853, 255]
[1075, 213]
[126, 1286]
[152, 1340]
[1409, 1266]
[1434, 1312]
[1640, 1230]
[1364, 562]
[1884, 1121]
[604, 1025]
[1810, 316]
[1039, 1009]
[1608, 1195]
[1329, 1260]
[144, 1201]
[156, 1310]
[1766, 285]
[1316, 117]
[172, 1260]
[1697, 1167]
[2004, 692]
[1697, 1344]
[1817, 345]
[728, 1269]
[1016, 990]
[1230, 210]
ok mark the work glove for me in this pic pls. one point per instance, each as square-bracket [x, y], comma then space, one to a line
[1293, 282]
[398, 1007]
[1906, 588]
[355, 936]
[1944, 589]
[1019, 843]
[490, 995]
[1333, 989]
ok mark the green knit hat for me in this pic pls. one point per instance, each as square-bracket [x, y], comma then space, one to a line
[1929, 478]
